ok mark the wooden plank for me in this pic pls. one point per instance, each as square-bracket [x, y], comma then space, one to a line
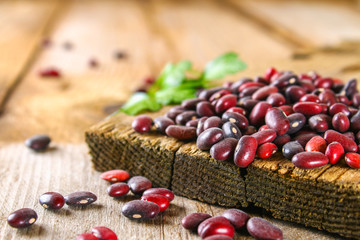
[26, 175]
[22, 25]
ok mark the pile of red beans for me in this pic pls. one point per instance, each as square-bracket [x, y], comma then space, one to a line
[314, 120]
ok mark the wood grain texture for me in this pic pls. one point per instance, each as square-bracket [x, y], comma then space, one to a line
[66, 168]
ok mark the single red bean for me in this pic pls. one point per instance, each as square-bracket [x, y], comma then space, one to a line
[200, 126]
[248, 91]
[309, 98]
[217, 95]
[303, 138]
[353, 160]
[294, 93]
[38, 142]
[356, 100]
[320, 122]
[235, 86]
[186, 116]
[339, 107]
[285, 80]
[307, 108]
[181, 132]
[206, 94]
[215, 226]
[276, 99]
[161, 191]
[116, 175]
[266, 150]
[260, 228]
[209, 137]
[250, 84]
[355, 122]
[193, 220]
[324, 83]
[162, 122]
[80, 198]
[349, 89]
[279, 141]
[174, 111]
[225, 102]
[50, 73]
[213, 121]
[264, 136]
[307, 85]
[333, 136]
[276, 119]
[296, 122]
[316, 144]
[264, 92]
[205, 108]
[343, 100]
[309, 160]
[118, 189]
[142, 124]
[238, 119]
[160, 200]
[248, 104]
[190, 104]
[139, 184]
[245, 151]
[292, 148]
[340, 122]
[257, 115]
[192, 123]
[287, 109]
[52, 200]
[22, 218]
[328, 97]
[269, 73]
[237, 110]
[218, 237]
[86, 236]
[236, 217]
[231, 130]
[139, 210]
[353, 111]
[334, 152]
[224, 150]
[263, 127]
[103, 233]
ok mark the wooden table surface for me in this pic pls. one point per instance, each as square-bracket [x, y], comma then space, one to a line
[297, 35]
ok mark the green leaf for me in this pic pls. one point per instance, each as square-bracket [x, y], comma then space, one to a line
[174, 75]
[229, 63]
[140, 102]
[174, 95]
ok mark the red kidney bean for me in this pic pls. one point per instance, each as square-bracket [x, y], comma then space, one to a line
[266, 150]
[190, 104]
[260, 228]
[225, 102]
[249, 84]
[327, 96]
[142, 124]
[139, 210]
[355, 122]
[264, 92]
[248, 104]
[213, 121]
[184, 117]
[353, 111]
[307, 85]
[161, 191]
[356, 100]
[339, 107]
[103, 233]
[218, 237]
[205, 108]
[181, 132]
[50, 73]
[174, 111]
[192, 123]
[118, 189]
[235, 86]
[279, 141]
[292, 148]
[116, 175]
[206, 94]
[238, 119]
[160, 200]
[86, 236]
[353, 160]
[224, 150]
[276, 119]
[193, 220]
[276, 99]
[350, 135]
[309, 98]
[334, 152]
[309, 160]
[139, 184]
[320, 122]
[340, 122]
[269, 73]
[52, 200]
[348, 144]
[303, 138]
[22, 218]
[296, 122]
[263, 127]
[231, 130]
[200, 126]
[257, 115]
[316, 144]
[248, 91]
[237, 110]
[307, 108]
[245, 151]
[215, 226]
[324, 83]
[162, 122]
[264, 136]
[342, 99]
[287, 109]
[285, 80]
[217, 95]
[249, 130]
[209, 137]
[349, 89]
[81, 198]
[38, 142]
[236, 217]
[294, 93]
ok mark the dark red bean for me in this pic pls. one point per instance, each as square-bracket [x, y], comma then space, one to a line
[193, 220]
[260, 79]
[257, 115]
[161, 191]
[316, 144]
[181, 132]
[342, 99]
[217, 95]
[93, 63]
[22, 218]
[328, 97]
[264, 92]
[320, 122]
[231, 130]
[140, 210]
[190, 104]
[287, 109]
[118, 189]
[162, 122]
[260, 228]
[238, 119]
[218, 237]
[225, 102]
[353, 160]
[296, 122]
[142, 124]
[209, 137]
[348, 144]
[334, 152]
[248, 91]
[349, 89]
[81, 198]
[245, 151]
[192, 123]
[174, 111]
[339, 107]
[279, 141]
[310, 98]
[236, 217]
[353, 111]
[324, 83]
[248, 104]
[276, 119]
[213, 121]
[266, 150]
[355, 122]
[103, 233]
[307, 85]
[309, 160]
[264, 136]
[139, 184]
[285, 80]
[324, 108]
[184, 117]
[215, 226]
[235, 86]
[276, 99]
[86, 236]
[269, 73]
[206, 94]
[116, 175]
[50, 73]
[200, 126]
[38, 142]
[340, 122]
[237, 110]
[224, 150]
[294, 93]
[303, 138]
[250, 84]
[205, 108]
[160, 200]
[52, 200]
[292, 148]
[249, 130]
[337, 87]
[356, 100]
[307, 108]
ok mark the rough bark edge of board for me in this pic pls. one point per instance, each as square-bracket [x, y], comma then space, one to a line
[327, 198]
